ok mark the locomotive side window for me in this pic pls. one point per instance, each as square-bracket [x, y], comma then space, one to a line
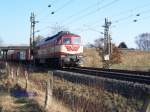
[66, 40]
[76, 40]
[58, 41]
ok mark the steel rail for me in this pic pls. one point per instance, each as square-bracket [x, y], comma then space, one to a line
[132, 77]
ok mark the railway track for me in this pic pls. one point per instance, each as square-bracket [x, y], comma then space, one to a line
[145, 73]
[126, 75]
[132, 76]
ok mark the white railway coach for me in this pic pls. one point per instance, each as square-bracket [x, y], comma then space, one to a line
[62, 49]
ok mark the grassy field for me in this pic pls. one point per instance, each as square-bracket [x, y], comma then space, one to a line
[67, 97]
[35, 102]
[10, 103]
[131, 60]
[81, 98]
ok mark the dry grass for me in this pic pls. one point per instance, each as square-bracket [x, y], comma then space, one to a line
[92, 97]
[95, 99]
[135, 60]
[91, 58]
[132, 60]
[7, 103]
[53, 104]
[10, 103]
[87, 98]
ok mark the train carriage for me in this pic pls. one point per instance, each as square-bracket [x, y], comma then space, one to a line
[18, 55]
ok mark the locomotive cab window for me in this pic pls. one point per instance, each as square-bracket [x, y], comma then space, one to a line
[76, 40]
[66, 40]
[58, 41]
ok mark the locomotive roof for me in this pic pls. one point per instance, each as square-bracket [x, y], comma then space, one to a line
[61, 33]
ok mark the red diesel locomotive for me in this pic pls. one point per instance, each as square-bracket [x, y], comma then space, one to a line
[62, 49]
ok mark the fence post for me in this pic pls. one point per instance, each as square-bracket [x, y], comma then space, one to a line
[51, 81]
[46, 94]
[7, 68]
[51, 84]
[12, 73]
[26, 77]
[17, 74]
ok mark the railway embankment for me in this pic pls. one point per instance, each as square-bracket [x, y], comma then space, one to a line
[64, 91]
[85, 92]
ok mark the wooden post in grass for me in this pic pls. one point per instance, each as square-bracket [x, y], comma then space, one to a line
[49, 89]
[17, 75]
[51, 81]
[7, 69]
[12, 74]
[26, 78]
[46, 94]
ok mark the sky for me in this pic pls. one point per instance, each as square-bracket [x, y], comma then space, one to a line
[83, 17]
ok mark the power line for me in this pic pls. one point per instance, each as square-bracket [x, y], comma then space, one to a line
[137, 14]
[93, 11]
[63, 6]
[132, 15]
[54, 1]
[50, 5]
[123, 12]
[146, 17]
[60, 8]
[82, 11]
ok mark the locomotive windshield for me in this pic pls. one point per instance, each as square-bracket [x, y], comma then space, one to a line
[76, 40]
[67, 40]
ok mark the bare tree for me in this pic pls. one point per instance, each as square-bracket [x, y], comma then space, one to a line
[38, 38]
[143, 41]
[89, 45]
[99, 43]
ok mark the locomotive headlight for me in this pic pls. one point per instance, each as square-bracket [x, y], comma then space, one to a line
[63, 56]
[80, 56]
[66, 59]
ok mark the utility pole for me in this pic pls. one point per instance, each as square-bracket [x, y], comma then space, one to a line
[107, 50]
[32, 35]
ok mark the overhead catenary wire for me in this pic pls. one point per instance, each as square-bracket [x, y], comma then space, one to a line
[79, 18]
[82, 11]
[106, 5]
[57, 10]
[132, 15]
[54, 1]
[50, 5]
[136, 14]
[63, 6]
[133, 20]
[122, 13]
[103, 6]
